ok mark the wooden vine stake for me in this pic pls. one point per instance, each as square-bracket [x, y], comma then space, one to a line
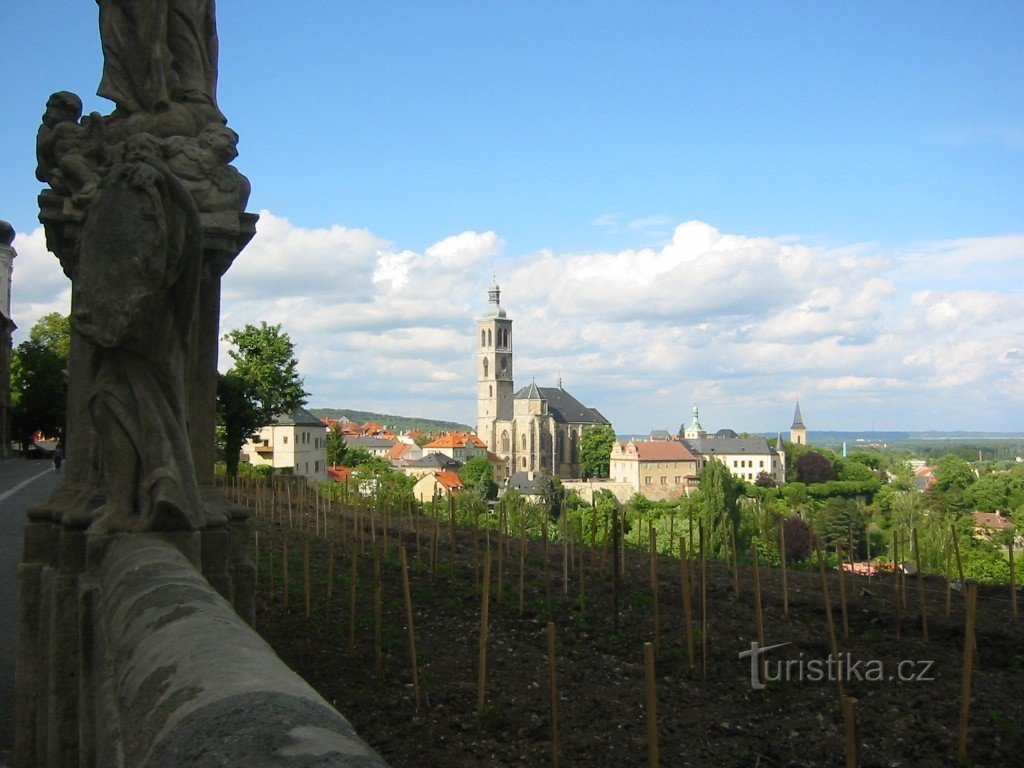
[842, 595]
[284, 570]
[353, 577]
[433, 548]
[378, 598]
[959, 561]
[501, 550]
[412, 632]
[896, 581]
[852, 731]
[833, 643]
[616, 535]
[547, 562]
[451, 535]
[758, 618]
[522, 559]
[553, 693]
[652, 707]
[920, 586]
[1013, 580]
[735, 558]
[703, 605]
[330, 579]
[965, 689]
[306, 590]
[684, 566]
[256, 561]
[785, 577]
[481, 679]
[949, 576]
[654, 582]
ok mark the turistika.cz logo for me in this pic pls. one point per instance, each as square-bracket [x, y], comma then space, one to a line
[844, 668]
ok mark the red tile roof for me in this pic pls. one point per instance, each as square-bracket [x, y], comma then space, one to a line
[992, 520]
[339, 473]
[457, 440]
[658, 450]
[449, 480]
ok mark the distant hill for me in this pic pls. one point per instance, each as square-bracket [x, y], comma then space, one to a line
[394, 423]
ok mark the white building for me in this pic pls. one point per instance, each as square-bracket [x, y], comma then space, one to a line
[296, 440]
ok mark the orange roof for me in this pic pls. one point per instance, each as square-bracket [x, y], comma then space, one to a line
[399, 450]
[494, 458]
[415, 433]
[992, 520]
[457, 440]
[449, 480]
[659, 450]
[339, 473]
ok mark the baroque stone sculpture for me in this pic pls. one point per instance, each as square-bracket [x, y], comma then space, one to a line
[145, 213]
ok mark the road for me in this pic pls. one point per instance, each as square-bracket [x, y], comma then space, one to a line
[22, 484]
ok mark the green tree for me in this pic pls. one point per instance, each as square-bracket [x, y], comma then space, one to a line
[815, 467]
[263, 383]
[595, 450]
[39, 389]
[716, 504]
[478, 475]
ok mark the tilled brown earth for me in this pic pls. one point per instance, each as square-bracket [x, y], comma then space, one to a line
[602, 714]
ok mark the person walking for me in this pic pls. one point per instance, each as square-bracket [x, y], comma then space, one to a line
[58, 459]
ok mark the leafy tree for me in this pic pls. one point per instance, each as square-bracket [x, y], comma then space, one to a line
[263, 383]
[798, 539]
[596, 445]
[716, 503]
[478, 475]
[335, 447]
[765, 480]
[39, 389]
[814, 467]
[550, 490]
[953, 474]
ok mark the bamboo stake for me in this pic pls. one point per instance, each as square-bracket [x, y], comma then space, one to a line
[501, 550]
[522, 559]
[553, 693]
[547, 563]
[735, 558]
[968, 668]
[653, 537]
[758, 618]
[920, 586]
[684, 566]
[903, 575]
[451, 535]
[833, 643]
[785, 577]
[481, 680]
[652, 707]
[353, 576]
[949, 577]
[851, 731]
[582, 573]
[306, 589]
[433, 549]
[412, 632]
[378, 651]
[959, 562]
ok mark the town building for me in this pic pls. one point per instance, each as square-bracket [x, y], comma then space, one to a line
[375, 446]
[744, 457]
[535, 429]
[457, 445]
[657, 469]
[437, 485]
[295, 441]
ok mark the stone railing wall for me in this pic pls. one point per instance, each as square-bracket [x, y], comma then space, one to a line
[128, 656]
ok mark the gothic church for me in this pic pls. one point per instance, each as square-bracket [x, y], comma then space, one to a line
[535, 430]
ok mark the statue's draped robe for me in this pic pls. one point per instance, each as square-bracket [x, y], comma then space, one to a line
[158, 51]
[137, 281]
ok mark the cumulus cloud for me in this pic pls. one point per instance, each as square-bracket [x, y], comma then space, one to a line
[743, 325]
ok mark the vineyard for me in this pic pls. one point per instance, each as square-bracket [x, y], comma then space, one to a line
[507, 640]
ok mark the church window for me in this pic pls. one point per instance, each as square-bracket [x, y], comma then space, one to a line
[483, 338]
[524, 462]
[490, 341]
[524, 441]
[505, 441]
[485, 366]
[490, 391]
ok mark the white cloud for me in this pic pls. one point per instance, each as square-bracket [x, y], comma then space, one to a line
[740, 324]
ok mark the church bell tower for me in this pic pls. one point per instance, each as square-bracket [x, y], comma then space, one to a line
[493, 368]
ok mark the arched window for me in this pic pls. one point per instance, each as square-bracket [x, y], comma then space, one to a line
[490, 341]
[524, 441]
[483, 338]
[505, 441]
[485, 366]
[524, 463]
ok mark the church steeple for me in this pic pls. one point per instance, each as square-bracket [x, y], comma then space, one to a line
[494, 369]
[798, 432]
[695, 431]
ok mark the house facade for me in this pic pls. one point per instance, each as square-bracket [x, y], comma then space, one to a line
[295, 440]
[657, 469]
[535, 429]
[744, 457]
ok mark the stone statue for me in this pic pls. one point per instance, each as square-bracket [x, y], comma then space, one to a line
[136, 282]
[159, 55]
[202, 165]
[69, 153]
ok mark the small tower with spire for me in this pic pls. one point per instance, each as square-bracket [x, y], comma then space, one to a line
[695, 431]
[494, 367]
[798, 432]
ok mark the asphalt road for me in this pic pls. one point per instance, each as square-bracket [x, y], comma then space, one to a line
[22, 484]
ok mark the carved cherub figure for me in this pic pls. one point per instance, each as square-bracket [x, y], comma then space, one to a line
[68, 152]
[203, 166]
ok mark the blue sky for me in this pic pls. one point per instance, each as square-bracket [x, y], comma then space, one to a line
[733, 203]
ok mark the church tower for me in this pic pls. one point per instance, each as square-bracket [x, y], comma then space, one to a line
[493, 370]
[798, 432]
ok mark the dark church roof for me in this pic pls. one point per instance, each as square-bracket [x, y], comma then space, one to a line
[563, 407]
